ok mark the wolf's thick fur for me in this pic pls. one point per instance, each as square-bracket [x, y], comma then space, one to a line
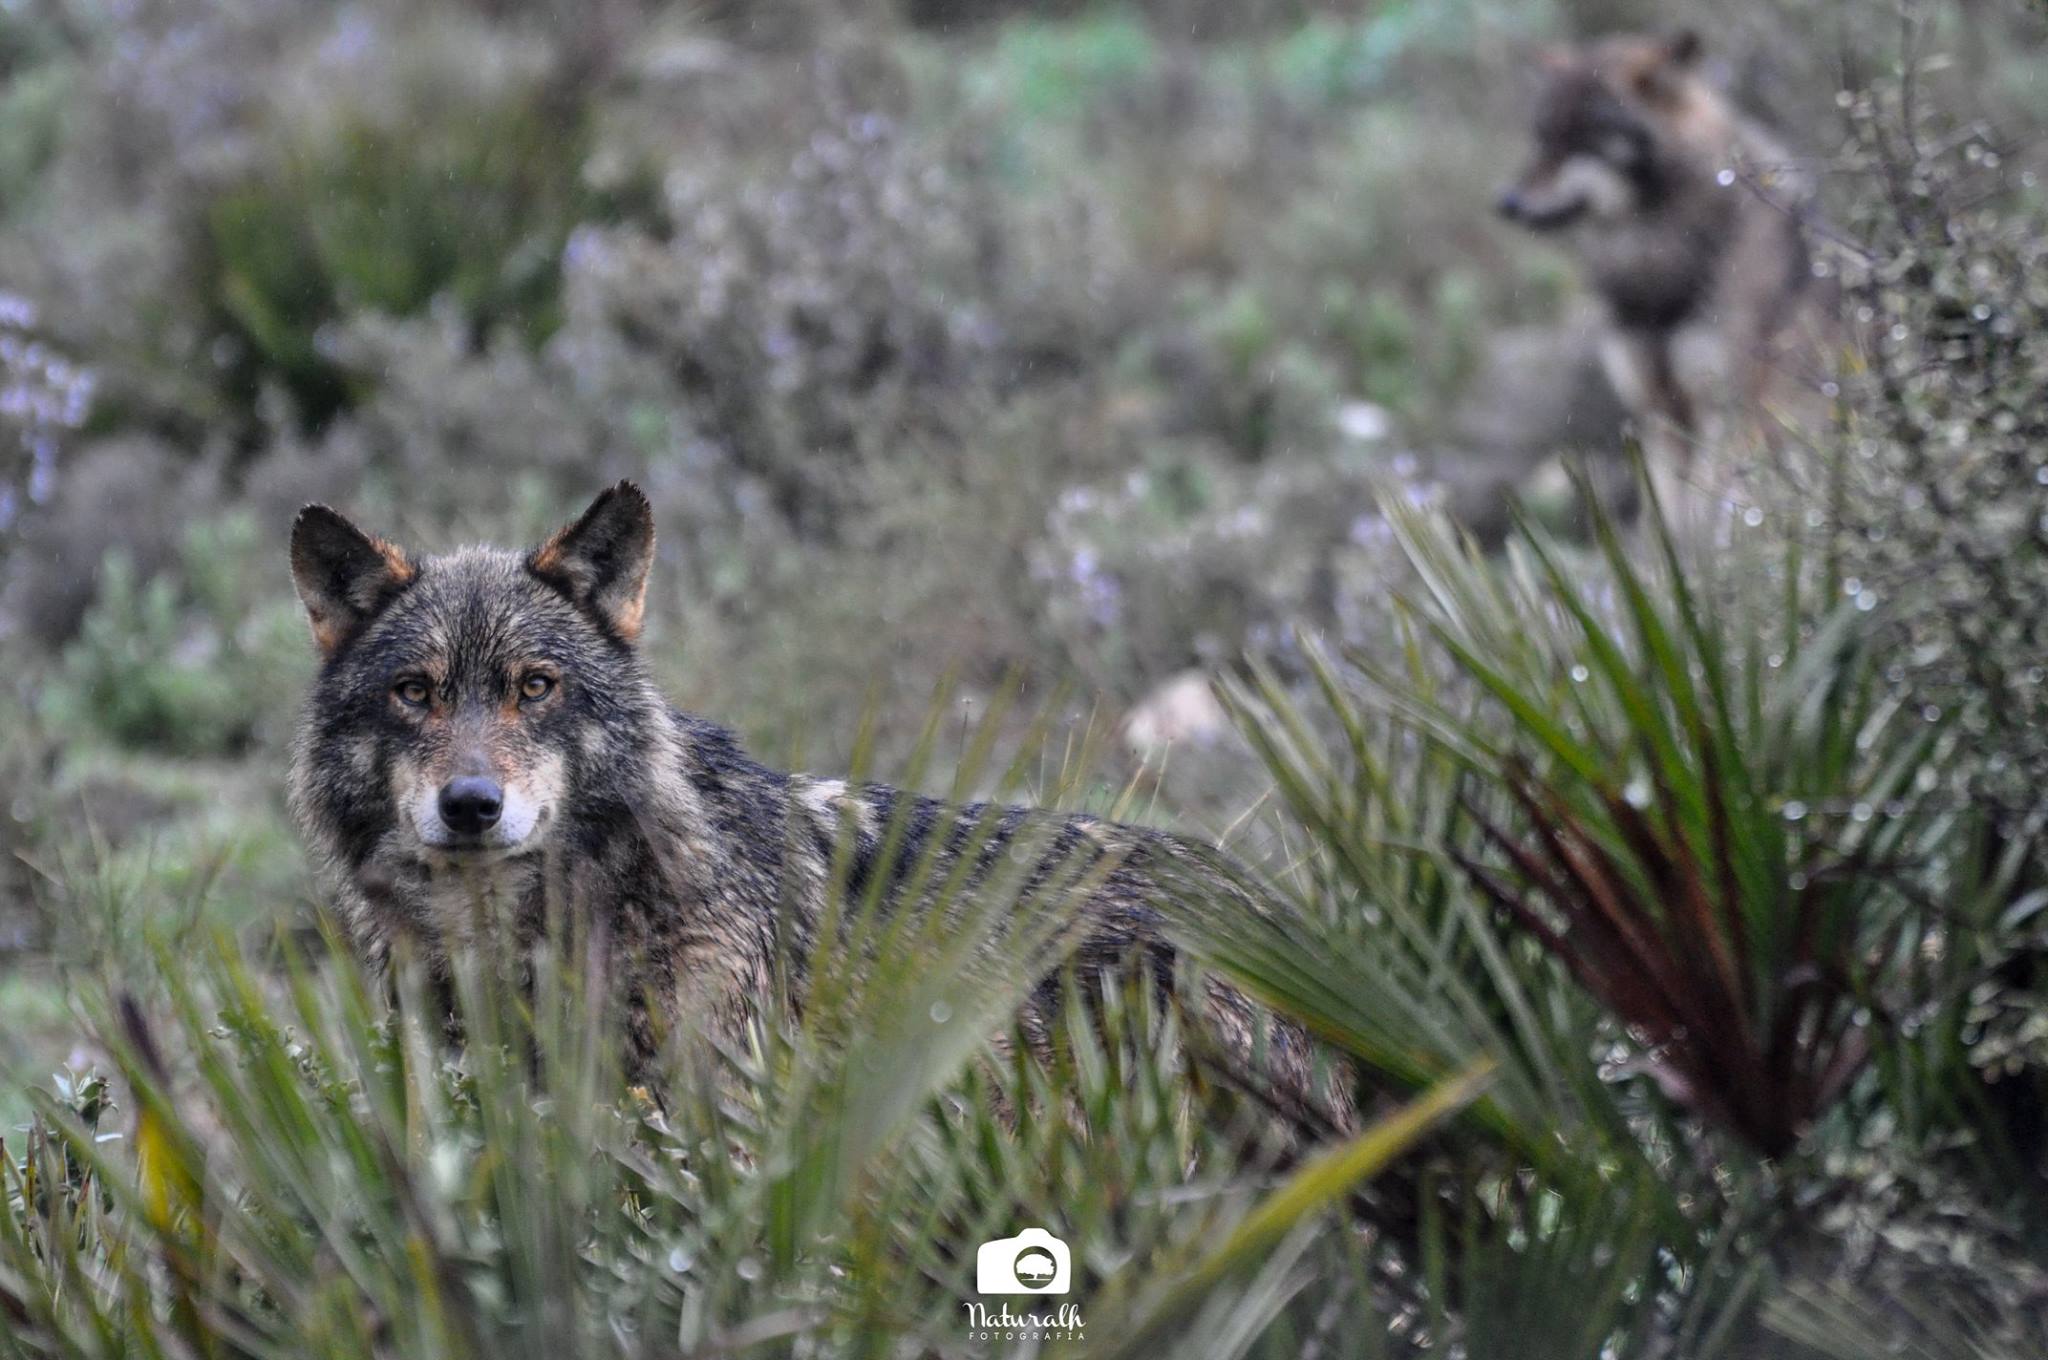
[1686, 217]
[512, 678]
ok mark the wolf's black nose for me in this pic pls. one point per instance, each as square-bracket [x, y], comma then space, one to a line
[1509, 204]
[470, 805]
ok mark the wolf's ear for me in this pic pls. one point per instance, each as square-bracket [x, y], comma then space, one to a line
[601, 561]
[1660, 67]
[343, 574]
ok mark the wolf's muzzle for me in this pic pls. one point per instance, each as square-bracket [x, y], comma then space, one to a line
[471, 804]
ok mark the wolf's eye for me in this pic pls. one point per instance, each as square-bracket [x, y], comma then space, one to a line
[536, 686]
[412, 692]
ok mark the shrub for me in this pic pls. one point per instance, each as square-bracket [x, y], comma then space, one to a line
[1723, 857]
[453, 187]
[31, 112]
[1187, 559]
[1043, 70]
[1588, 779]
[1937, 503]
[179, 661]
[1931, 504]
[43, 394]
[865, 294]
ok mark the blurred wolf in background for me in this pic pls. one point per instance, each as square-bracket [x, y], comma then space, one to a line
[1686, 217]
[482, 741]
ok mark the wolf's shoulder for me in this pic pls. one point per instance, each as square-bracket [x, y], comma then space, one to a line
[713, 746]
[724, 774]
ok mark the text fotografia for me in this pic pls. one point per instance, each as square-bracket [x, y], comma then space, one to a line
[1002, 1324]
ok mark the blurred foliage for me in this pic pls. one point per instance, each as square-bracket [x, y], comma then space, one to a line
[364, 250]
[31, 110]
[178, 662]
[1939, 505]
[452, 195]
[865, 294]
[1043, 71]
[42, 396]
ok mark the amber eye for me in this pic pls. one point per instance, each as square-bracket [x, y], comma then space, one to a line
[413, 693]
[536, 686]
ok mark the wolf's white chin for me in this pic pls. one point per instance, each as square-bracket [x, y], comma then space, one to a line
[1592, 185]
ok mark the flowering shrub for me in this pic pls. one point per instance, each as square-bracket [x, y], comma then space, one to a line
[1940, 507]
[42, 395]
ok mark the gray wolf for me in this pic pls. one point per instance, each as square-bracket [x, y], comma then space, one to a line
[482, 732]
[1686, 218]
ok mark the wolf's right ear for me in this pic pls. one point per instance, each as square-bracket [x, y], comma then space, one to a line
[343, 574]
[601, 561]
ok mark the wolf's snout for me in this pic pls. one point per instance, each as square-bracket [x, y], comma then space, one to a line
[1509, 204]
[471, 804]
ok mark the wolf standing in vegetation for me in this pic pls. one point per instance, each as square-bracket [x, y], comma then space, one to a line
[483, 743]
[1686, 218]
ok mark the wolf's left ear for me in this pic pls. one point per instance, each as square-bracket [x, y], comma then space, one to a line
[343, 574]
[601, 561]
[1660, 66]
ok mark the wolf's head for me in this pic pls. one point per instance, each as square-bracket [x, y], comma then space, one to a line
[463, 699]
[1606, 117]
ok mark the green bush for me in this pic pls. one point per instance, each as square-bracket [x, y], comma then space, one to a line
[181, 662]
[1934, 498]
[1680, 860]
[387, 212]
[31, 122]
[869, 292]
[1061, 69]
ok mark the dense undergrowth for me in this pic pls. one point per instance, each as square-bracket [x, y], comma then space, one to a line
[1665, 918]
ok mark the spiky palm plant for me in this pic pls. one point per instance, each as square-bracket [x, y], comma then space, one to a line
[1658, 842]
[1713, 821]
[300, 1163]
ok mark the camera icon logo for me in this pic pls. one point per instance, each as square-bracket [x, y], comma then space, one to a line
[1032, 1262]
